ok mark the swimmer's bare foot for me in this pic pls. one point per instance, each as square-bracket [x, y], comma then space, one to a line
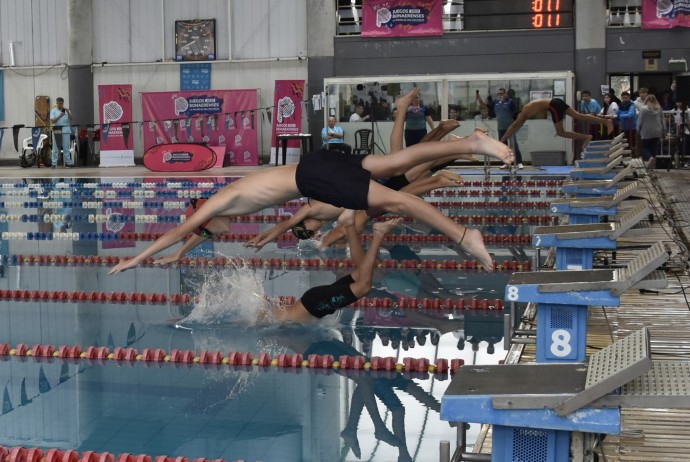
[482, 144]
[387, 226]
[473, 244]
[347, 218]
[463, 156]
[404, 101]
[449, 179]
[449, 125]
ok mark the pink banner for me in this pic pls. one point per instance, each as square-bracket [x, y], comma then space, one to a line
[115, 107]
[665, 14]
[287, 115]
[217, 118]
[402, 18]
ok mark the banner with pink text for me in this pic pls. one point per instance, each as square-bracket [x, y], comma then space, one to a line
[665, 14]
[402, 18]
[115, 103]
[225, 120]
[287, 116]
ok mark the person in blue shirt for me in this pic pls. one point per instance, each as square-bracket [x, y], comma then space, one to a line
[627, 119]
[61, 118]
[506, 112]
[591, 106]
[333, 136]
[417, 119]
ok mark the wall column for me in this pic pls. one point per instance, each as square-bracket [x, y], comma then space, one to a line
[590, 47]
[320, 50]
[79, 59]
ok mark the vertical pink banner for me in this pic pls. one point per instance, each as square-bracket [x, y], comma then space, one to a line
[665, 14]
[402, 18]
[226, 119]
[115, 108]
[287, 116]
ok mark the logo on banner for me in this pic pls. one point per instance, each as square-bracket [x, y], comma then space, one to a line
[172, 157]
[286, 108]
[112, 112]
[667, 8]
[401, 15]
[200, 104]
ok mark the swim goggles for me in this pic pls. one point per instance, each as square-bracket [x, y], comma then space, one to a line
[301, 232]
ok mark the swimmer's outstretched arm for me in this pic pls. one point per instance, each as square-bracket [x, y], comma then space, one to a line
[209, 210]
[192, 242]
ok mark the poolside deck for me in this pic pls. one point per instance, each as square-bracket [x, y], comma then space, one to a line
[647, 434]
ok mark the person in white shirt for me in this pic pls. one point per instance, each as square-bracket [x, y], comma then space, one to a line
[610, 111]
[357, 115]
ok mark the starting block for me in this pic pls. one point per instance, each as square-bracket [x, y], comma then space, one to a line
[563, 298]
[596, 187]
[603, 148]
[596, 173]
[587, 210]
[575, 244]
[537, 406]
[601, 161]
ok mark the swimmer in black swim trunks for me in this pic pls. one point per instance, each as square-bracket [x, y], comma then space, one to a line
[417, 181]
[558, 110]
[320, 301]
[276, 185]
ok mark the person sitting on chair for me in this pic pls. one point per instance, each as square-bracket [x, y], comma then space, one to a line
[333, 136]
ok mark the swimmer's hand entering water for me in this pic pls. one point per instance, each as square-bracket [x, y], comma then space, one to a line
[124, 265]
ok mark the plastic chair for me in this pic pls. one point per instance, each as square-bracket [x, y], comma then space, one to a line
[362, 142]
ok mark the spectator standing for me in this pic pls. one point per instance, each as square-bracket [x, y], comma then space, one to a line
[506, 111]
[681, 116]
[627, 119]
[417, 119]
[588, 105]
[610, 111]
[61, 120]
[650, 126]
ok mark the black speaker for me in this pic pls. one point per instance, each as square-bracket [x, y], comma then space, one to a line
[683, 88]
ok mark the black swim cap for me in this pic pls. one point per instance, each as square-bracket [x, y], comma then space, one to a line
[301, 232]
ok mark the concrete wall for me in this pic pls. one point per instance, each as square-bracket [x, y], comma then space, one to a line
[455, 53]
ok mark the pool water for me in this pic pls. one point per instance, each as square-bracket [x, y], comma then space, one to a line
[60, 238]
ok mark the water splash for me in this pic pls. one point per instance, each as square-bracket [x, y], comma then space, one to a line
[236, 296]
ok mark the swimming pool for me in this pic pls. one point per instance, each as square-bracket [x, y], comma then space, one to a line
[248, 394]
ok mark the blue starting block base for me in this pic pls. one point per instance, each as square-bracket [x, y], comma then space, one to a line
[584, 174]
[572, 259]
[575, 244]
[473, 393]
[518, 444]
[561, 333]
[596, 188]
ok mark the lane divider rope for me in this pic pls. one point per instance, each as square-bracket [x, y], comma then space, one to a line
[233, 358]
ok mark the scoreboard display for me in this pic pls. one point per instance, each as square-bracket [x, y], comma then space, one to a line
[517, 14]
